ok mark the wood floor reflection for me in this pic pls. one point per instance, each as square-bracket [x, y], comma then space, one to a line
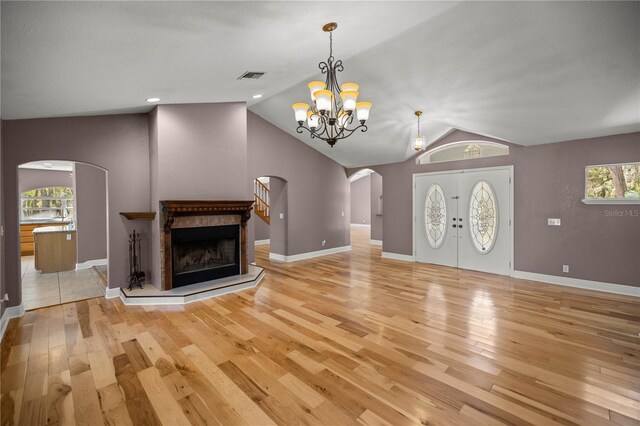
[344, 339]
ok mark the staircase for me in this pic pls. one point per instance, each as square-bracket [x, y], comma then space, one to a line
[261, 205]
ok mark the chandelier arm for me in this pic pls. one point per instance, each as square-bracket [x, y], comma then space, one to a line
[363, 128]
[324, 67]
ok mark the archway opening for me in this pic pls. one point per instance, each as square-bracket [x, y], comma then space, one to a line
[366, 208]
[63, 232]
[271, 218]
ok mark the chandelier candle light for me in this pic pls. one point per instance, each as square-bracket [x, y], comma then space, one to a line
[333, 105]
[418, 141]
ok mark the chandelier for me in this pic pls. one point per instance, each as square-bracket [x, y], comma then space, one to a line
[418, 141]
[331, 116]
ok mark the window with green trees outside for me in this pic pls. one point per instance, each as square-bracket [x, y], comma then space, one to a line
[613, 182]
[53, 203]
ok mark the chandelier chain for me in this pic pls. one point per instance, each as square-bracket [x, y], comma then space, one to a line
[330, 44]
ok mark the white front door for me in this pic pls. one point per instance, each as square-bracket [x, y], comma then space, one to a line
[463, 218]
[436, 211]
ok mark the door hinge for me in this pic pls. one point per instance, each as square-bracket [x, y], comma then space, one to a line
[509, 222]
[509, 179]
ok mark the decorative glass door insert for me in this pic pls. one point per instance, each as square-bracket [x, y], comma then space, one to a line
[435, 216]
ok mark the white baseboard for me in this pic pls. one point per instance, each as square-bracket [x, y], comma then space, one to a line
[308, 255]
[262, 242]
[10, 313]
[375, 242]
[89, 263]
[578, 283]
[278, 257]
[397, 256]
[110, 293]
[364, 225]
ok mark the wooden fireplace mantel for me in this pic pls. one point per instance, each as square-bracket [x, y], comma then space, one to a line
[170, 209]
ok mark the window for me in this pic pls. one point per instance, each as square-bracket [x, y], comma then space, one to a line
[612, 184]
[466, 150]
[53, 203]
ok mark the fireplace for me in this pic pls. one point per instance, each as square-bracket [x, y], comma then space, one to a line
[204, 253]
[202, 241]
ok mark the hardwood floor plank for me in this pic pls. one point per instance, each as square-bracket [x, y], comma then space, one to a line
[138, 405]
[240, 402]
[168, 410]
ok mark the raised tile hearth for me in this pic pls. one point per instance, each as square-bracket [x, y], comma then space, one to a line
[150, 295]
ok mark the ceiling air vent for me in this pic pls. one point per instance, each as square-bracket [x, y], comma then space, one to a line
[251, 75]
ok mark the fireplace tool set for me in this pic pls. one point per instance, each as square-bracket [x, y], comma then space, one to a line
[136, 275]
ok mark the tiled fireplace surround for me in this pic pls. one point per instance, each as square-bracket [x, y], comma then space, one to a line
[176, 214]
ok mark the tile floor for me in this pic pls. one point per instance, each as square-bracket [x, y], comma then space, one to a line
[40, 290]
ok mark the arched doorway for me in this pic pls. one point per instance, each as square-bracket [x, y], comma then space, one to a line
[366, 207]
[271, 218]
[63, 232]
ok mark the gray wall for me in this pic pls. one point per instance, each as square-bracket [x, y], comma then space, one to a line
[361, 201]
[376, 218]
[317, 187]
[90, 201]
[29, 179]
[262, 228]
[117, 143]
[197, 152]
[548, 182]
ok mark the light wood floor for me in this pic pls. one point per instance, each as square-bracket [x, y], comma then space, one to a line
[339, 340]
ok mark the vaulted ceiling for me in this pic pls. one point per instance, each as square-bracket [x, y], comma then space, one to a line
[524, 72]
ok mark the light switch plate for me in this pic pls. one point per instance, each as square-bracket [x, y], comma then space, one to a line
[553, 222]
[281, 215]
[68, 237]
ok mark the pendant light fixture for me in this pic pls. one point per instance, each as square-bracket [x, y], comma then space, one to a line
[333, 106]
[418, 141]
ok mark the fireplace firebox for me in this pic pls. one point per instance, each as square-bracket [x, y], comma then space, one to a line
[204, 253]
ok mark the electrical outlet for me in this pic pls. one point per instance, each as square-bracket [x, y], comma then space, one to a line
[342, 214]
[281, 215]
[565, 268]
[553, 222]
[2, 231]
[68, 237]
[324, 243]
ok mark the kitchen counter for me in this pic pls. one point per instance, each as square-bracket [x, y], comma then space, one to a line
[51, 229]
[26, 232]
[55, 248]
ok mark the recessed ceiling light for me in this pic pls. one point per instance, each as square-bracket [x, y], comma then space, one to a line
[151, 100]
[257, 96]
